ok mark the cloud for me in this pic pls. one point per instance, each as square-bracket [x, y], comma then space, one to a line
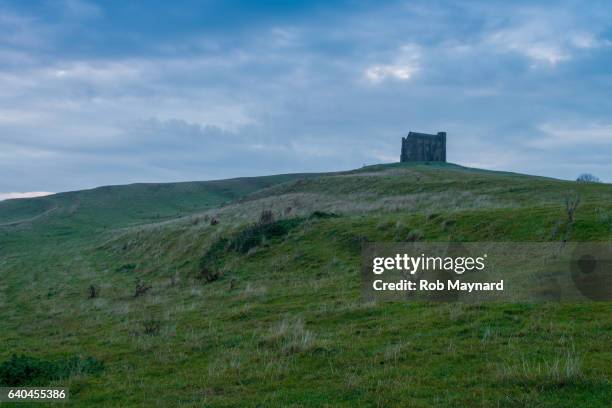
[30, 194]
[524, 41]
[403, 67]
[578, 135]
[545, 36]
[99, 73]
[378, 73]
[194, 95]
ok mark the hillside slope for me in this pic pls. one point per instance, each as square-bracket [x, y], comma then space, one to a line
[136, 202]
[281, 322]
[82, 215]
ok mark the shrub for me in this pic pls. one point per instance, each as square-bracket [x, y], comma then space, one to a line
[126, 267]
[266, 217]
[209, 275]
[588, 178]
[253, 236]
[414, 236]
[151, 327]
[571, 204]
[22, 370]
[93, 292]
[322, 214]
[141, 288]
[447, 224]
[212, 258]
[212, 261]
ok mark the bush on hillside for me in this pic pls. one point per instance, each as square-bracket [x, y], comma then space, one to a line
[414, 236]
[93, 292]
[323, 214]
[571, 204]
[126, 267]
[209, 275]
[211, 262]
[141, 288]
[22, 370]
[266, 217]
[253, 236]
[212, 257]
[151, 327]
[250, 237]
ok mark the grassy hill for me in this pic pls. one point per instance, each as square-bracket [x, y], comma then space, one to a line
[84, 214]
[135, 203]
[190, 312]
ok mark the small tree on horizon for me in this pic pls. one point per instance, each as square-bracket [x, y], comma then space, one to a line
[588, 178]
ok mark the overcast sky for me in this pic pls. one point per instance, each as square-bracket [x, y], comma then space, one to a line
[115, 92]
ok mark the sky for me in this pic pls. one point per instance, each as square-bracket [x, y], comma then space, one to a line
[121, 91]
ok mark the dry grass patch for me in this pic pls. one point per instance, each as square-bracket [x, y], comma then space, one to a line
[561, 371]
[291, 337]
[253, 291]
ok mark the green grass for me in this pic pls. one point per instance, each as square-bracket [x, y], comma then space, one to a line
[283, 325]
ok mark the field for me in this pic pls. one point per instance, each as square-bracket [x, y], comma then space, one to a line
[179, 297]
